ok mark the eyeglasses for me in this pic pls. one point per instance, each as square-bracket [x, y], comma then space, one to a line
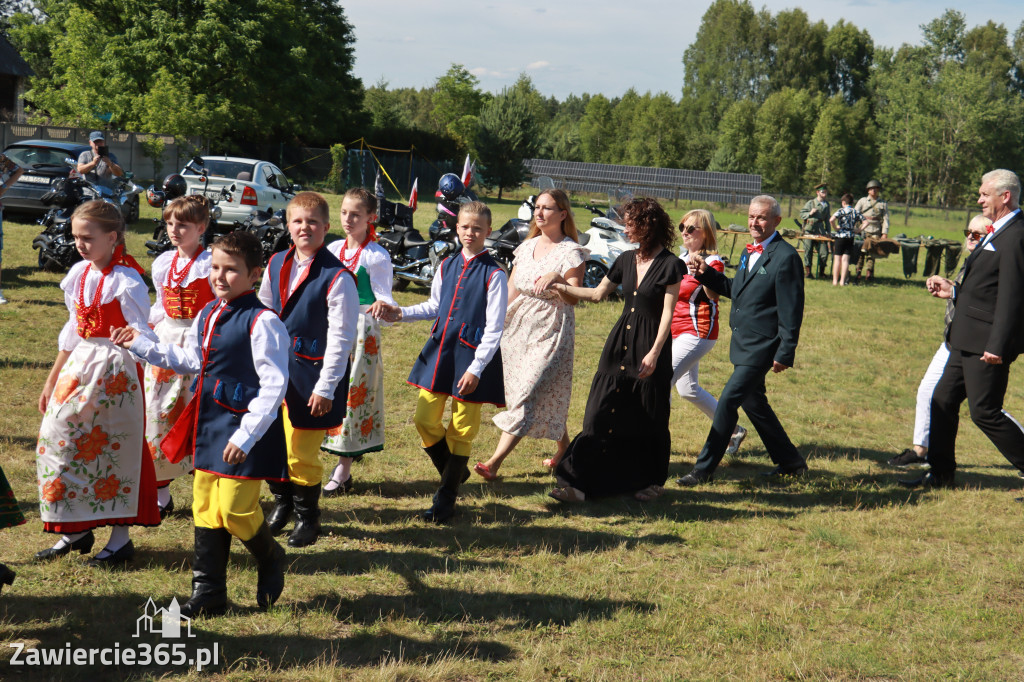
[688, 229]
[971, 234]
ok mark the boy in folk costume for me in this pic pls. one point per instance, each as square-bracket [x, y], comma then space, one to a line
[462, 357]
[181, 279]
[316, 297]
[233, 426]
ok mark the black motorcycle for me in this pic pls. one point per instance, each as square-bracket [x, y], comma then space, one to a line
[271, 228]
[408, 249]
[174, 186]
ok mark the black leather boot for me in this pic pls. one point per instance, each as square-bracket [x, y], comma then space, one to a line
[270, 559]
[281, 514]
[209, 573]
[455, 472]
[306, 499]
[439, 454]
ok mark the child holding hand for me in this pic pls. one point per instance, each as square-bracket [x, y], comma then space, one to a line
[462, 356]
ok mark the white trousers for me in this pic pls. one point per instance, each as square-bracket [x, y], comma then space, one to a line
[923, 420]
[686, 354]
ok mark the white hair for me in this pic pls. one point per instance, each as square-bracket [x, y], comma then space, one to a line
[1003, 180]
[769, 201]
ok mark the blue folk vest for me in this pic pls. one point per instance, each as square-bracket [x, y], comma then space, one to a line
[457, 331]
[229, 383]
[304, 313]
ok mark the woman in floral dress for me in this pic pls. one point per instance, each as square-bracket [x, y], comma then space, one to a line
[540, 333]
[91, 463]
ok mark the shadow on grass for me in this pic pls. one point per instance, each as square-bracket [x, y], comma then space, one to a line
[25, 277]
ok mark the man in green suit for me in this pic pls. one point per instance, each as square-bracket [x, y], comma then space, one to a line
[767, 310]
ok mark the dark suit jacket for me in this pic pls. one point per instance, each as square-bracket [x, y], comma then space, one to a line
[988, 303]
[767, 305]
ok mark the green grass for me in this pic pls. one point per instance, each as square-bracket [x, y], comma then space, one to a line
[841, 576]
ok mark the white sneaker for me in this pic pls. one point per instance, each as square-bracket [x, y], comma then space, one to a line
[2, 299]
[737, 439]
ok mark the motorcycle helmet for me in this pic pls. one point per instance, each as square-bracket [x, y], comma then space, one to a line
[450, 186]
[174, 186]
[155, 197]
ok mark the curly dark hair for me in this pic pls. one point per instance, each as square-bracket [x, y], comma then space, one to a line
[650, 224]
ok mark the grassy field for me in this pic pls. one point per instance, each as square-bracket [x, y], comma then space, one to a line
[840, 576]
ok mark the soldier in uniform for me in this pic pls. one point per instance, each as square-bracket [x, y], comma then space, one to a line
[875, 227]
[815, 215]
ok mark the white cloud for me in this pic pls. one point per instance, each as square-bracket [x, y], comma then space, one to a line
[538, 65]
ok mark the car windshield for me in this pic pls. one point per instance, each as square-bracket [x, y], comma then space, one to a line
[220, 168]
[34, 157]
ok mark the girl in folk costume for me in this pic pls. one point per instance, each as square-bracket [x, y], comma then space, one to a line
[363, 428]
[91, 463]
[181, 278]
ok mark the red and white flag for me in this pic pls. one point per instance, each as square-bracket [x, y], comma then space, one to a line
[414, 194]
[467, 172]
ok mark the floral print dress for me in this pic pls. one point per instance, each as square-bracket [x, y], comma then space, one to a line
[91, 466]
[362, 430]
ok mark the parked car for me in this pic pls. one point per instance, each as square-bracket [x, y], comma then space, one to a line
[45, 163]
[252, 184]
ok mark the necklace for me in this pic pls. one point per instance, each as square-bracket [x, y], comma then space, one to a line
[177, 279]
[352, 262]
[88, 319]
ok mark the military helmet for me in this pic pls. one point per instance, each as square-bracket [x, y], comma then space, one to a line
[874, 184]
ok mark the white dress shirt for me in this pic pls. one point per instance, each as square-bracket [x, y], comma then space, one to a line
[123, 283]
[497, 302]
[755, 256]
[377, 262]
[270, 349]
[342, 321]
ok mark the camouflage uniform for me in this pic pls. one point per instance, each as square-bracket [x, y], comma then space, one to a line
[875, 227]
[815, 215]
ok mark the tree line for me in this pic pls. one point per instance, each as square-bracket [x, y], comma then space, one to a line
[796, 101]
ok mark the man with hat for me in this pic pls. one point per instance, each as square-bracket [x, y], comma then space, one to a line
[815, 215]
[875, 227]
[97, 164]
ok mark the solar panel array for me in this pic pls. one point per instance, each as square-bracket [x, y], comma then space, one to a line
[666, 183]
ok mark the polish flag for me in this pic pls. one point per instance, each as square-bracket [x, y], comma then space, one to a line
[467, 172]
[414, 195]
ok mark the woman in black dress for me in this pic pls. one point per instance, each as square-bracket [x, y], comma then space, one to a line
[624, 445]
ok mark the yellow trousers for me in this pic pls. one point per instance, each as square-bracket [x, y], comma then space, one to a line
[229, 503]
[462, 429]
[304, 467]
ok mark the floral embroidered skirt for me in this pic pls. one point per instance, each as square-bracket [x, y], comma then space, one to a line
[10, 514]
[91, 464]
[167, 394]
[363, 428]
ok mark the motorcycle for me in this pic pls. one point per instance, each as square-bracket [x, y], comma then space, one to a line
[271, 228]
[174, 186]
[408, 249]
[606, 240]
[56, 246]
[506, 240]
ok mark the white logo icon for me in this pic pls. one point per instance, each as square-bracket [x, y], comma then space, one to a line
[170, 621]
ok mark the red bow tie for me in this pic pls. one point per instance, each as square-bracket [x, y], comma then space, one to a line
[755, 248]
[990, 229]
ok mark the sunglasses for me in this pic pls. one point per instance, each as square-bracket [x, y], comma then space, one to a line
[970, 234]
[688, 229]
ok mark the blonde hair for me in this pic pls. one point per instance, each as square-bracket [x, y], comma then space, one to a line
[478, 208]
[104, 215]
[191, 208]
[568, 224]
[705, 221]
[310, 201]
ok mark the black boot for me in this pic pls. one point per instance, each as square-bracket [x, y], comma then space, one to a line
[307, 509]
[270, 559]
[439, 454]
[455, 472]
[209, 573]
[6, 576]
[282, 512]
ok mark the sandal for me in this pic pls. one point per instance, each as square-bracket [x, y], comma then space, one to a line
[484, 471]
[651, 492]
[568, 494]
[550, 463]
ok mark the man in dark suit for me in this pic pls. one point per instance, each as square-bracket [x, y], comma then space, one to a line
[767, 309]
[985, 335]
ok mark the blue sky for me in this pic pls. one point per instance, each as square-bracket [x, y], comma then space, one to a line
[576, 46]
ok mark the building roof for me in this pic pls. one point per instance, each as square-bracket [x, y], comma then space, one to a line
[11, 63]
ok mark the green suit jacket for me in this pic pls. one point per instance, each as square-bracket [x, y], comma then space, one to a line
[767, 305]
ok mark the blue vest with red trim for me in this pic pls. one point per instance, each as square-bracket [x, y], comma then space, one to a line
[229, 383]
[305, 315]
[460, 323]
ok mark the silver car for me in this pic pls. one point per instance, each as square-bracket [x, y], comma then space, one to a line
[252, 184]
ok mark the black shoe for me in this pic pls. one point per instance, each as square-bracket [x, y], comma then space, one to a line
[306, 500]
[928, 481]
[340, 490]
[907, 458]
[166, 511]
[778, 473]
[82, 545]
[283, 505]
[270, 558]
[456, 471]
[442, 509]
[691, 479]
[209, 573]
[116, 559]
[6, 576]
